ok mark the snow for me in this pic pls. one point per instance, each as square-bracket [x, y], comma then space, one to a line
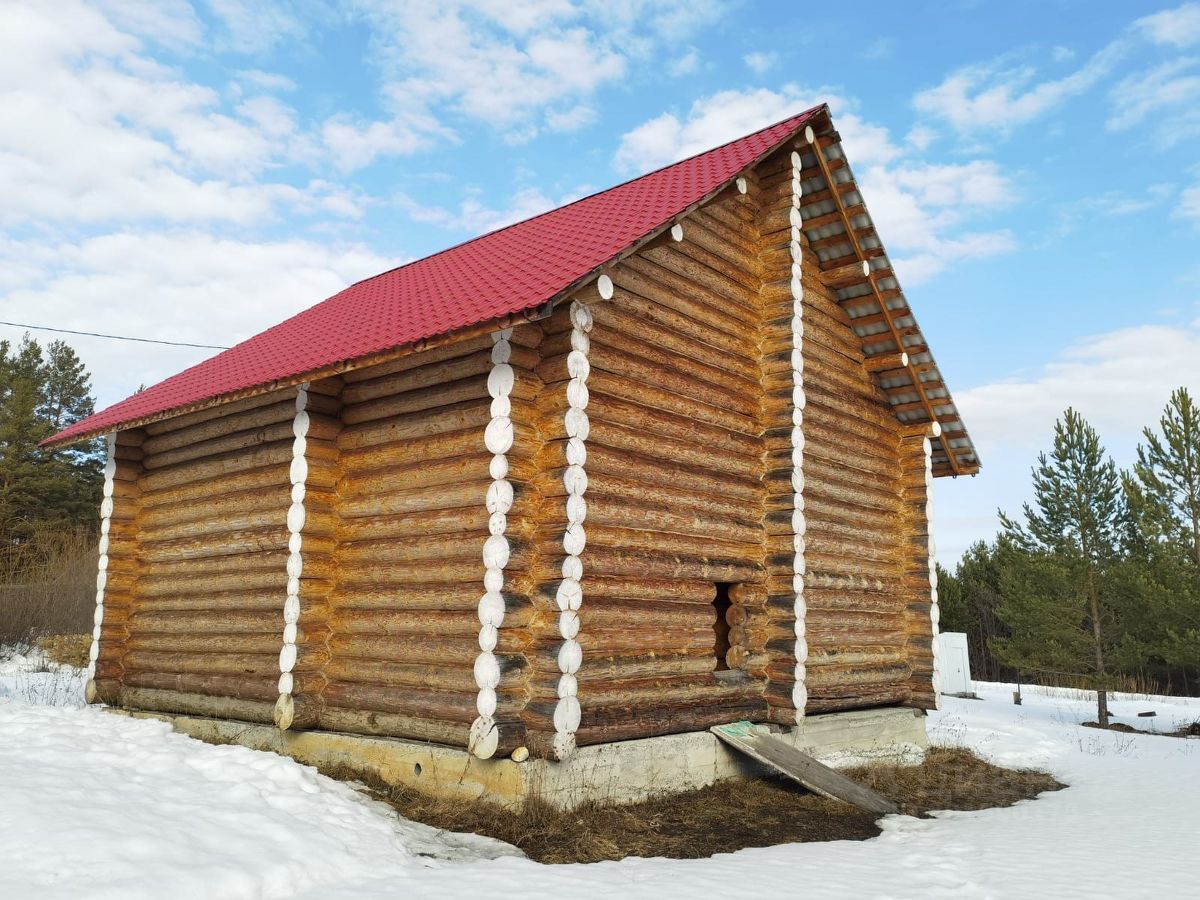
[105, 806]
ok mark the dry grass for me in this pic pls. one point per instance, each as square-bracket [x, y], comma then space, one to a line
[66, 649]
[47, 586]
[724, 817]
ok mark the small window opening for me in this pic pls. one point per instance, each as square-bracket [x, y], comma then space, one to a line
[721, 604]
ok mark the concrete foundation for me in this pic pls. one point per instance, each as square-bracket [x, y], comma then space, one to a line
[620, 772]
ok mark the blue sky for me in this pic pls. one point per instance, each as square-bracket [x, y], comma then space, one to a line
[200, 171]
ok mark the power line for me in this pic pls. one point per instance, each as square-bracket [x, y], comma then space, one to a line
[114, 337]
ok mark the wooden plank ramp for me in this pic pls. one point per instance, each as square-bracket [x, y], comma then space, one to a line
[746, 737]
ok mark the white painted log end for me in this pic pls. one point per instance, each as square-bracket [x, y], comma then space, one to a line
[742, 187]
[936, 428]
[484, 738]
[520, 754]
[809, 134]
[677, 232]
[605, 286]
[285, 712]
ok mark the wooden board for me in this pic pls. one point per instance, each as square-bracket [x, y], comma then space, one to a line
[801, 768]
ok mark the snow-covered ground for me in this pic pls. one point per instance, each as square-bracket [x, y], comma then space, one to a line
[96, 805]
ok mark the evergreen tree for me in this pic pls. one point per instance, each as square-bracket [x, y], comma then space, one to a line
[1165, 487]
[1054, 569]
[41, 393]
[1163, 492]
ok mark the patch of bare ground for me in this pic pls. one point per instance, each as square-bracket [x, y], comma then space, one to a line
[1192, 729]
[724, 817]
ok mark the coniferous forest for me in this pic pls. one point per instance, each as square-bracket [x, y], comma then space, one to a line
[1096, 582]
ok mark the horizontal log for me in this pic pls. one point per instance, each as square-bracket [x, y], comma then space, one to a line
[682, 337]
[457, 417]
[220, 411]
[209, 469]
[361, 502]
[429, 649]
[169, 701]
[245, 665]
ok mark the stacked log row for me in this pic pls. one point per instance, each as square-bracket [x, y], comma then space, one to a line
[312, 537]
[857, 531]
[212, 542]
[922, 612]
[783, 400]
[674, 489]
[412, 526]
[485, 736]
[117, 564]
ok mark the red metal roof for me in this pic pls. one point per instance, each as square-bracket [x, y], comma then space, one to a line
[511, 270]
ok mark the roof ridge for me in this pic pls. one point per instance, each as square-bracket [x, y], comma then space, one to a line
[802, 114]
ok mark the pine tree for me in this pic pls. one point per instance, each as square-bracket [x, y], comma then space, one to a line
[1163, 492]
[41, 393]
[1054, 572]
[1165, 487]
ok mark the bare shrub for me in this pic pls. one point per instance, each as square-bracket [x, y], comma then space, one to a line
[47, 585]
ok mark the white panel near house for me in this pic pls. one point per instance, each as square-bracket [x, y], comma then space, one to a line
[954, 665]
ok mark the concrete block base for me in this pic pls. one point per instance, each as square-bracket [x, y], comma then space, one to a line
[619, 772]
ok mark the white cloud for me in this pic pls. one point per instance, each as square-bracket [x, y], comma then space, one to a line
[920, 209]
[1094, 376]
[1118, 380]
[684, 65]
[761, 62]
[1179, 27]
[267, 81]
[920, 137]
[104, 132]
[1189, 203]
[194, 287]
[727, 115]
[1062, 54]
[996, 97]
[254, 26]
[578, 116]
[1168, 94]
[507, 65]
[172, 23]
[475, 217]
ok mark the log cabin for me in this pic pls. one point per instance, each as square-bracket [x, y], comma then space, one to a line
[653, 461]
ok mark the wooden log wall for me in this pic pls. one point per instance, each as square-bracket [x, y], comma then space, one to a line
[920, 574]
[783, 404]
[211, 546]
[117, 565]
[859, 528]
[413, 520]
[516, 540]
[674, 486]
[311, 565]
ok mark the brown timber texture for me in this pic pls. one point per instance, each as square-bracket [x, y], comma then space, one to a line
[859, 527]
[201, 564]
[689, 466]
[675, 497]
